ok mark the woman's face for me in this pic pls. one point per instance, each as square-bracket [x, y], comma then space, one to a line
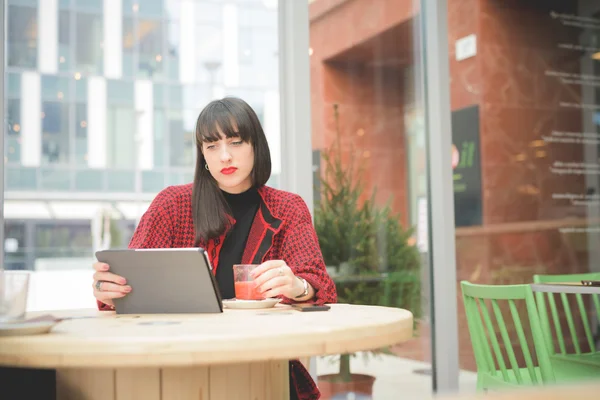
[230, 162]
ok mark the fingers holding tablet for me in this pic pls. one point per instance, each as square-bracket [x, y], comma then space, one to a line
[108, 286]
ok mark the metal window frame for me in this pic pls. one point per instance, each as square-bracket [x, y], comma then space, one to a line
[442, 241]
[294, 92]
[2, 118]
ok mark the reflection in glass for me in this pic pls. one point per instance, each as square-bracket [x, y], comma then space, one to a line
[52, 179]
[208, 13]
[72, 115]
[153, 181]
[128, 46]
[14, 250]
[150, 8]
[21, 178]
[173, 54]
[120, 181]
[81, 133]
[55, 133]
[64, 40]
[89, 5]
[88, 52]
[121, 128]
[361, 59]
[209, 49]
[160, 130]
[176, 145]
[13, 85]
[22, 36]
[89, 180]
[55, 88]
[13, 131]
[119, 92]
[151, 54]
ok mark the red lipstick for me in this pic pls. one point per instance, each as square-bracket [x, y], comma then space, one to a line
[228, 170]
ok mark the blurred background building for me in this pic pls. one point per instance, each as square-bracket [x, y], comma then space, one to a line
[101, 103]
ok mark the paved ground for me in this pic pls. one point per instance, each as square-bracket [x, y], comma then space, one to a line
[397, 378]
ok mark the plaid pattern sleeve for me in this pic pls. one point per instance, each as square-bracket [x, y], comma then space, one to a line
[156, 227]
[300, 250]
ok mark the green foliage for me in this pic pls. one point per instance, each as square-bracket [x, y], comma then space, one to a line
[383, 268]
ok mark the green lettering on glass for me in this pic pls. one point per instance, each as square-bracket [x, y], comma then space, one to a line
[467, 154]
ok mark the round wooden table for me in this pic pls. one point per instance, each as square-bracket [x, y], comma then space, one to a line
[239, 354]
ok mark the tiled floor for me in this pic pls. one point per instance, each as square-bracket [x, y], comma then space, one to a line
[396, 378]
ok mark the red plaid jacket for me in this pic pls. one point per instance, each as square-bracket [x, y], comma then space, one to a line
[282, 230]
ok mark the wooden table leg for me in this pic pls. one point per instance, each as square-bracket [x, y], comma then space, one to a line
[258, 380]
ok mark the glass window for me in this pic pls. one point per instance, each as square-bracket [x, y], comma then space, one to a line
[55, 179]
[129, 43]
[172, 9]
[13, 131]
[119, 92]
[208, 13]
[64, 40]
[68, 239]
[55, 88]
[526, 154]
[13, 85]
[55, 133]
[31, 3]
[160, 133]
[258, 18]
[182, 138]
[150, 8]
[14, 245]
[88, 53]
[81, 90]
[360, 56]
[89, 149]
[245, 46]
[81, 134]
[210, 48]
[89, 5]
[257, 47]
[121, 146]
[173, 54]
[151, 53]
[159, 95]
[22, 36]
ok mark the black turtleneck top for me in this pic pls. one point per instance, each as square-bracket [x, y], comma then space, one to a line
[243, 207]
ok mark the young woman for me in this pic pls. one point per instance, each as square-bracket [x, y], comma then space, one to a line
[230, 212]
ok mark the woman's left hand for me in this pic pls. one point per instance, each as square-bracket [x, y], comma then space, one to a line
[274, 278]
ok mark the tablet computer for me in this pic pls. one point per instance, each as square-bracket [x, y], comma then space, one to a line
[164, 281]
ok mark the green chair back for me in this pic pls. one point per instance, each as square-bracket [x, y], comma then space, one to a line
[490, 359]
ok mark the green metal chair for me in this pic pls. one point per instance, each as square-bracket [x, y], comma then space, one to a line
[584, 351]
[492, 371]
[498, 367]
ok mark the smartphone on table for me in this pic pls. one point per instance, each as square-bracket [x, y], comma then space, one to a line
[310, 307]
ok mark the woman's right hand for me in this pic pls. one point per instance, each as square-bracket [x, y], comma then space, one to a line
[108, 286]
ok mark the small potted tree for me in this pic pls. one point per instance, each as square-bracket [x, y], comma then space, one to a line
[378, 265]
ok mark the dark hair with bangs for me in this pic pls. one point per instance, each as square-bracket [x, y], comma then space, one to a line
[235, 118]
